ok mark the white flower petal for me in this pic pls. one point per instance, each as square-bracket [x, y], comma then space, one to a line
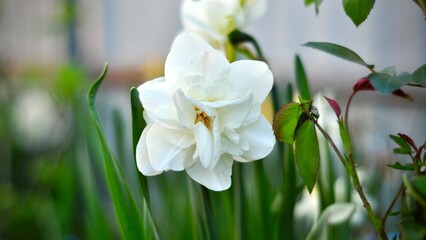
[249, 75]
[233, 115]
[254, 9]
[217, 143]
[217, 178]
[214, 20]
[164, 155]
[260, 138]
[204, 143]
[212, 65]
[142, 159]
[185, 109]
[180, 138]
[184, 48]
[157, 100]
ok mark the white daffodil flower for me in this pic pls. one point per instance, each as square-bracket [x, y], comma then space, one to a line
[215, 19]
[203, 114]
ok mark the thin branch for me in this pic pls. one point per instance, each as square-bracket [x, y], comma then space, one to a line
[395, 198]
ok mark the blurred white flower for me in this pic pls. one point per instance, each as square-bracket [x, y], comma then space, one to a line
[203, 114]
[215, 19]
[36, 121]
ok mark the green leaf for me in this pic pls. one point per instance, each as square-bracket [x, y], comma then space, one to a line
[419, 76]
[317, 4]
[416, 188]
[138, 122]
[285, 122]
[339, 51]
[405, 147]
[389, 71]
[301, 79]
[419, 185]
[307, 154]
[358, 10]
[386, 84]
[126, 209]
[399, 166]
[95, 216]
[344, 134]
[138, 125]
[412, 212]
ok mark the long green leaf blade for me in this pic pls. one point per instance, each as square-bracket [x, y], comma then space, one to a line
[339, 51]
[301, 79]
[307, 154]
[138, 124]
[127, 212]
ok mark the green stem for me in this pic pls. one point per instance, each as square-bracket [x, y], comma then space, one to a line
[377, 222]
[349, 165]
[395, 198]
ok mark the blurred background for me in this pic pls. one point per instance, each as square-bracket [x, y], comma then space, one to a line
[52, 50]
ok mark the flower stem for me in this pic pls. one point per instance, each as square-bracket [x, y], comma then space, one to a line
[349, 165]
[395, 198]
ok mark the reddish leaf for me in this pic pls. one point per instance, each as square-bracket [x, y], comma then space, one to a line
[334, 105]
[419, 151]
[400, 93]
[363, 84]
[408, 140]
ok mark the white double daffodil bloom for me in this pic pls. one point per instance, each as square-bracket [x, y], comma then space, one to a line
[203, 114]
[215, 19]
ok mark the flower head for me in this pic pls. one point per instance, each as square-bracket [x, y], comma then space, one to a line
[215, 19]
[204, 114]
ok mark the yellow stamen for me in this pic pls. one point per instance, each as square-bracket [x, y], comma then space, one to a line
[202, 117]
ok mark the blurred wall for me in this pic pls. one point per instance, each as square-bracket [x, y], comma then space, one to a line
[131, 33]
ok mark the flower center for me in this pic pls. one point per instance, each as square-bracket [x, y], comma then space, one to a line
[202, 117]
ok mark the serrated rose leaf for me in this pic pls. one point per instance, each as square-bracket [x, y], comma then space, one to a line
[307, 154]
[285, 122]
[386, 84]
[358, 10]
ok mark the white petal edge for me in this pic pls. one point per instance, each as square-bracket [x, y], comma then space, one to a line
[163, 155]
[185, 109]
[250, 75]
[156, 97]
[233, 114]
[204, 144]
[142, 159]
[254, 9]
[217, 178]
[260, 138]
[185, 46]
